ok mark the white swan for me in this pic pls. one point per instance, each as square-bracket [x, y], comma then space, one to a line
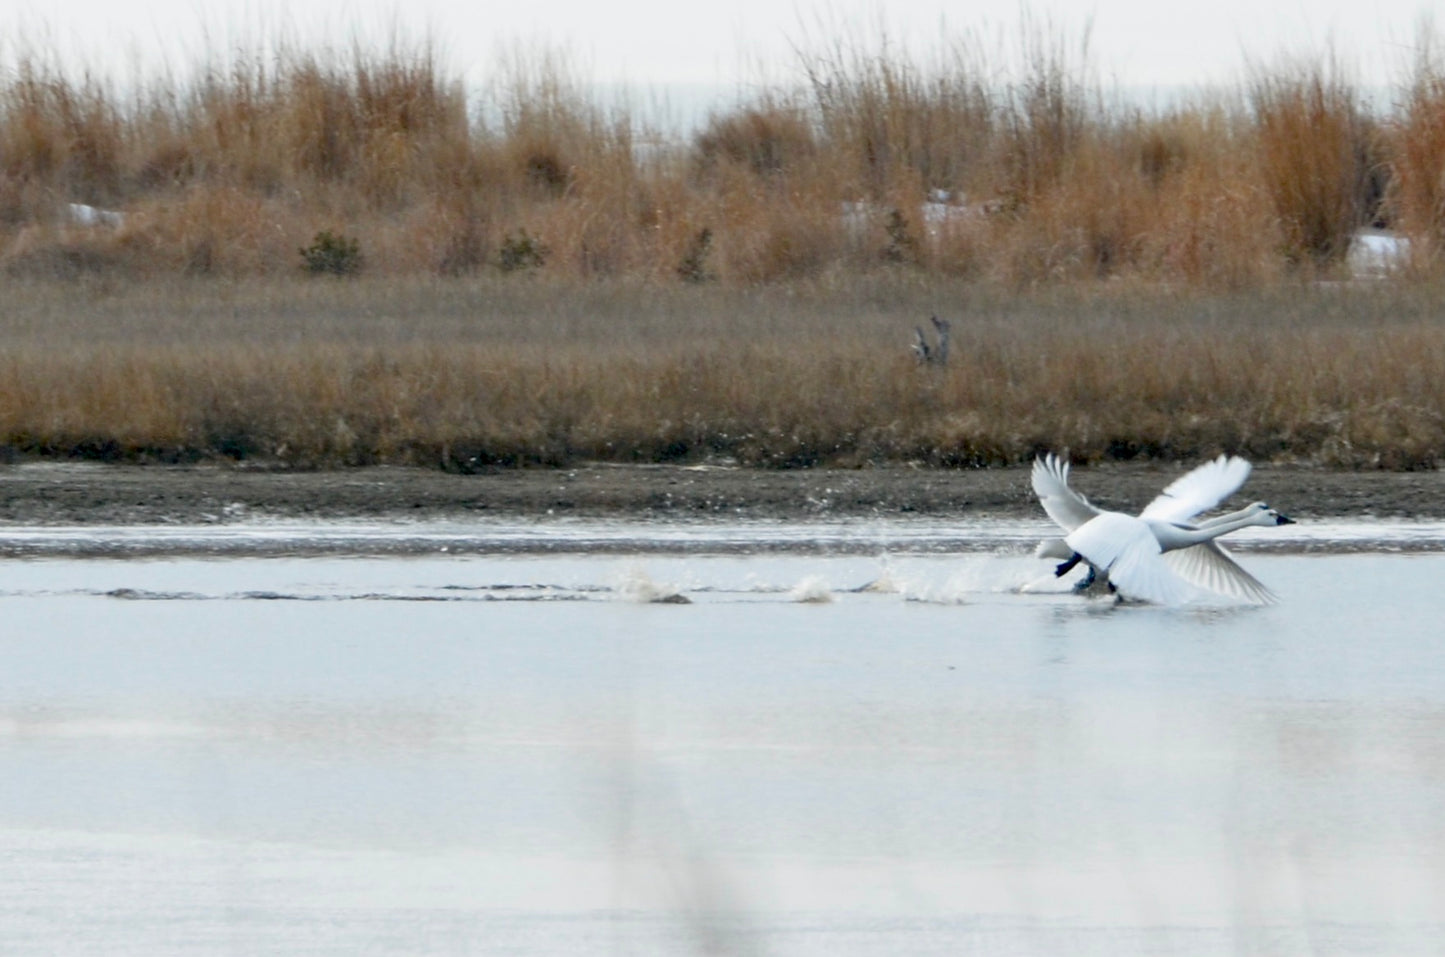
[1157, 555]
[1057, 548]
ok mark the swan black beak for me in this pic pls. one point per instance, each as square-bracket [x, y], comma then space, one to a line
[1284, 520]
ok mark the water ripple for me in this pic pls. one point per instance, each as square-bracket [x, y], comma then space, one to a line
[900, 535]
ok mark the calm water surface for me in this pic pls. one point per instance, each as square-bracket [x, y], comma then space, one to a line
[221, 746]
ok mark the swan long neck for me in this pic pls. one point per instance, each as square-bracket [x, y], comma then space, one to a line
[1248, 511]
[1181, 537]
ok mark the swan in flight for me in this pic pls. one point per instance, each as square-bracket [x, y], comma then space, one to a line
[1157, 555]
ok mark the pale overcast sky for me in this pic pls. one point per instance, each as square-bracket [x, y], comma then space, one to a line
[1139, 43]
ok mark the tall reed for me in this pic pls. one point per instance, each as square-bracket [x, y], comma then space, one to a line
[1315, 155]
[1006, 161]
[1417, 153]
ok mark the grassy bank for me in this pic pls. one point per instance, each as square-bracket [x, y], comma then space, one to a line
[323, 258]
[1000, 160]
[463, 374]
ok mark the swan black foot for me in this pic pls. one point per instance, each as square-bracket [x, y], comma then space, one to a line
[1063, 568]
[1087, 582]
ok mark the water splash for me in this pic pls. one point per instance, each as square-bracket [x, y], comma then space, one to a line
[885, 584]
[812, 590]
[636, 585]
[978, 575]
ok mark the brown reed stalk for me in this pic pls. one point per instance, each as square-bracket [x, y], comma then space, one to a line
[1417, 150]
[1314, 145]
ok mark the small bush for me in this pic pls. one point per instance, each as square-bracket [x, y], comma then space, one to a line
[901, 246]
[693, 267]
[1313, 152]
[521, 252]
[767, 139]
[464, 251]
[334, 254]
[1418, 151]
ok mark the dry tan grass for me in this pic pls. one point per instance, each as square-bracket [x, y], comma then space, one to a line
[1417, 150]
[1315, 152]
[231, 171]
[465, 374]
[546, 280]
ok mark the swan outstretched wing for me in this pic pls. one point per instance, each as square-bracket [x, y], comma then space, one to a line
[1125, 548]
[1064, 505]
[1199, 490]
[1210, 566]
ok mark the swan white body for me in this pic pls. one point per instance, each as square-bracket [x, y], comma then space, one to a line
[1159, 554]
[1058, 548]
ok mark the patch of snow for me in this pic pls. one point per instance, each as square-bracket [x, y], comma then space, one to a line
[1375, 253]
[82, 215]
[936, 215]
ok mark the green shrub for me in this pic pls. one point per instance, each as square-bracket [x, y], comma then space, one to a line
[693, 267]
[521, 252]
[332, 253]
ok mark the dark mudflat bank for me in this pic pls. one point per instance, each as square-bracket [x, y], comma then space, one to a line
[78, 494]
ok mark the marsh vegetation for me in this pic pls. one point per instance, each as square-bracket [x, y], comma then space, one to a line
[466, 374]
[323, 258]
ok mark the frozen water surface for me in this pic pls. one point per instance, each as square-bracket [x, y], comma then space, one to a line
[856, 738]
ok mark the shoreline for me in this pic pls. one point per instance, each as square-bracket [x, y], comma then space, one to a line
[64, 493]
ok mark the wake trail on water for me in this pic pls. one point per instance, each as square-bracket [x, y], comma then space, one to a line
[903, 578]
